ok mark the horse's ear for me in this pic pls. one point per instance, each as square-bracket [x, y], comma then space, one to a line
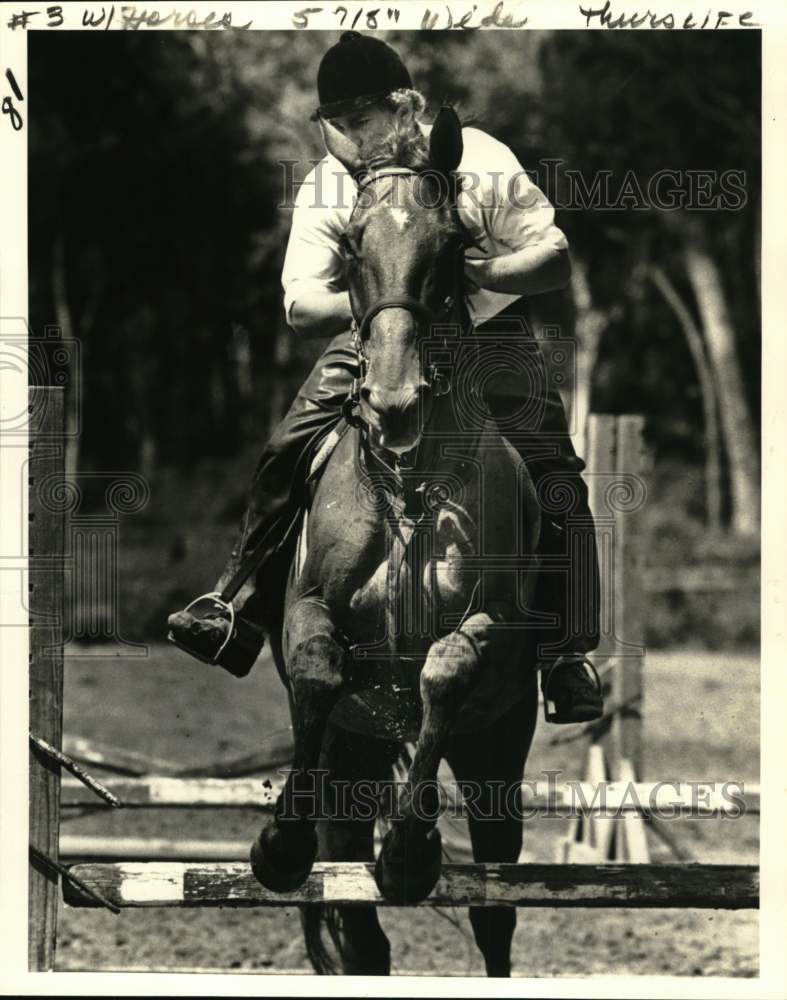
[445, 141]
[338, 145]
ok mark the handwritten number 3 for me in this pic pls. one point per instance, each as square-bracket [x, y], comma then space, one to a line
[11, 111]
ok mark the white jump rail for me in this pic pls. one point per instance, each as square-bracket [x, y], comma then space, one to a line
[570, 798]
[129, 884]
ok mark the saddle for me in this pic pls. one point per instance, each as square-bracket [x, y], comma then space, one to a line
[321, 453]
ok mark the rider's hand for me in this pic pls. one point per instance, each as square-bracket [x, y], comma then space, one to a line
[475, 274]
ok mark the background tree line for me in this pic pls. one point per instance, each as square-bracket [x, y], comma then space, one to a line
[157, 234]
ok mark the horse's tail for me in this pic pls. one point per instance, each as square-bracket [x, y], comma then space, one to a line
[313, 917]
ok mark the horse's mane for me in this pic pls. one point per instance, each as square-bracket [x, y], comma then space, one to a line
[404, 145]
[401, 146]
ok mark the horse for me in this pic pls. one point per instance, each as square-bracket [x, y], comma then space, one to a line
[403, 619]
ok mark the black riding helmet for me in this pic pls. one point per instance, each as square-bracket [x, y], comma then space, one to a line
[358, 70]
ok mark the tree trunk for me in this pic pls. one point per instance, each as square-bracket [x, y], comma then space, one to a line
[589, 326]
[74, 387]
[139, 411]
[282, 359]
[708, 390]
[239, 379]
[735, 418]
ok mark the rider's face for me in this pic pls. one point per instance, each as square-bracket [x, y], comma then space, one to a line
[365, 125]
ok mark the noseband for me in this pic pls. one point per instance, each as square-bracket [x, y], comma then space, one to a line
[438, 381]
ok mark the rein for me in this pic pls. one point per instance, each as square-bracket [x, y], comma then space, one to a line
[395, 473]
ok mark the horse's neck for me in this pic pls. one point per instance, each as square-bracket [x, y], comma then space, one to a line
[449, 441]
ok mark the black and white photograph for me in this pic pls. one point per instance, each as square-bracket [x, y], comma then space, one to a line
[392, 536]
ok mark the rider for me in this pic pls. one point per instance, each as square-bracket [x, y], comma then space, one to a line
[363, 86]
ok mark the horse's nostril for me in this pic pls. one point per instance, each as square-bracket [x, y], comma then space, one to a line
[374, 399]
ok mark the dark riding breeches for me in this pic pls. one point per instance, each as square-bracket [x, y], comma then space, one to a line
[529, 413]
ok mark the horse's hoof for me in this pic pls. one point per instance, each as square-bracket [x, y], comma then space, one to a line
[282, 862]
[409, 879]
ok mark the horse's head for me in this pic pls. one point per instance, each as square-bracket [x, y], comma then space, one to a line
[404, 252]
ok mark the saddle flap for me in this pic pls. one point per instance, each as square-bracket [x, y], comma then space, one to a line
[323, 452]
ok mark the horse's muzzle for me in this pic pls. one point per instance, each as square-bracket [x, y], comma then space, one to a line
[395, 418]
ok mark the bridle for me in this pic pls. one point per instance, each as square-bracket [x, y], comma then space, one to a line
[438, 380]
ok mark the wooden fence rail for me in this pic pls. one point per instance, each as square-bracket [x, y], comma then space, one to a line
[131, 884]
[566, 798]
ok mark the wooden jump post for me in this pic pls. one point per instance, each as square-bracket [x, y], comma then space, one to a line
[615, 466]
[615, 457]
[46, 533]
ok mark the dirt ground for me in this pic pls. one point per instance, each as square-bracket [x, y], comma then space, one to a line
[701, 722]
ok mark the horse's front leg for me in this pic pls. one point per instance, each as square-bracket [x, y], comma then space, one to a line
[408, 865]
[283, 854]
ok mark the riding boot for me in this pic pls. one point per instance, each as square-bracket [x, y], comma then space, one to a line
[530, 414]
[269, 525]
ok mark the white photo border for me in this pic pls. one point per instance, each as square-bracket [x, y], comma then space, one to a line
[771, 17]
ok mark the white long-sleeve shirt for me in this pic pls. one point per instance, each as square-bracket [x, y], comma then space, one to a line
[500, 206]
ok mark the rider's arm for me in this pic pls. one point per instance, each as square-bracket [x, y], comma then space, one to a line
[529, 271]
[316, 303]
[528, 252]
[320, 313]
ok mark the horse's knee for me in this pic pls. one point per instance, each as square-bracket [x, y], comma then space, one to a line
[315, 660]
[449, 671]
[316, 668]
